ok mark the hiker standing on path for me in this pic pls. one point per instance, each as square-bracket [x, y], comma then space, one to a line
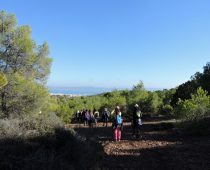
[91, 119]
[86, 118]
[105, 116]
[96, 115]
[137, 122]
[78, 116]
[117, 124]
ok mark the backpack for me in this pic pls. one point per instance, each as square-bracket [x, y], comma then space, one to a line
[118, 120]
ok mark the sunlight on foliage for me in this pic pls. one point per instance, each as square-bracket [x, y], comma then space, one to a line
[3, 80]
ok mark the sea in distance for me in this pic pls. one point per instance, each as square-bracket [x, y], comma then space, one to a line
[79, 91]
[84, 91]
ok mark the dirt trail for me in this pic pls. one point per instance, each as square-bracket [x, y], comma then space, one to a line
[160, 147]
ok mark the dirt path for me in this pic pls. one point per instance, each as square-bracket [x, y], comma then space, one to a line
[160, 147]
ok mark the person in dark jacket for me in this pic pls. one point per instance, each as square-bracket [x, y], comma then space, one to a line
[105, 116]
[137, 122]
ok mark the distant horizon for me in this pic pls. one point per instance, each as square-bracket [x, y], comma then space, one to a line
[99, 87]
[86, 91]
[107, 87]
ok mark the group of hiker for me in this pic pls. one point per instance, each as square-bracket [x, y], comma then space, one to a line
[90, 118]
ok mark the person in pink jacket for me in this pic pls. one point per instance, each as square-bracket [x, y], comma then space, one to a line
[117, 124]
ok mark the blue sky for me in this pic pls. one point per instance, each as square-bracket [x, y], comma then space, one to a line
[116, 43]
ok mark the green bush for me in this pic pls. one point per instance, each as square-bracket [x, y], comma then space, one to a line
[62, 149]
[42, 123]
[166, 110]
[197, 107]
[10, 128]
[42, 142]
[29, 126]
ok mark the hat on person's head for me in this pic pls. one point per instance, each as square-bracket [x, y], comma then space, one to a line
[118, 107]
[136, 105]
[105, 109]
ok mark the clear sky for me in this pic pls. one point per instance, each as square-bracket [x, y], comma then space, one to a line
[116, 43]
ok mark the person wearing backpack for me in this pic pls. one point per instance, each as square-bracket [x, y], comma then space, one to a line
[105, 116]
[137, 122]
[87, 118]
[96, 115]
[117, 124]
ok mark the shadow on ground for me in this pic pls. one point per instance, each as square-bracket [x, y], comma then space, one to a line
[177, 157]
[160, 147]
[160, 131]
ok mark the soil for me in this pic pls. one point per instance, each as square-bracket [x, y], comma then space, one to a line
[161, 146]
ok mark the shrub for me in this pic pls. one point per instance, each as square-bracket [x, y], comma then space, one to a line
[42, 123]
[195, 108]
[42, 142]
[34, 125]
[166, 110]
[10, 128]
